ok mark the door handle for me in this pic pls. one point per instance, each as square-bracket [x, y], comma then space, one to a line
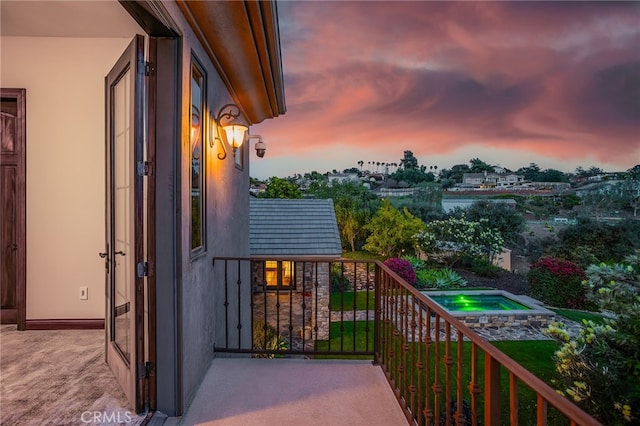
[102, 255]
[121, 253]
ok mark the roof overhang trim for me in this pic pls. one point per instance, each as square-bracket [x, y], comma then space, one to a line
[242, 40]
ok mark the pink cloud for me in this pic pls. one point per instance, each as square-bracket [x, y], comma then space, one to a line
[557, 79]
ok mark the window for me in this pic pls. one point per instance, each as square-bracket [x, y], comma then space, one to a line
[198, 94]
[279, 274]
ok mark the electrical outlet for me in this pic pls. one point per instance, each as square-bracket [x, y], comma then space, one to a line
[84, 293]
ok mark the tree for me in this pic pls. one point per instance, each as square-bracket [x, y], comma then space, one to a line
[552, 175]
[456, 238]
[392, 231]
[280, 188]
[409, 161]
[504, 219]
[354, 205]
[590, 242]
[315, 176]
[455, 173]
[629, 190]
[411, 172]
[479, 166]
[530, 172]
[602, 200]
[351, 170]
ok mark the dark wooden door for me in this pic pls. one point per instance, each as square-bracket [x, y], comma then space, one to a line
[13, 208]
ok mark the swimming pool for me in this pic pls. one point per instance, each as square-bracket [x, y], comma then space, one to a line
[477, 302]
[491, 308]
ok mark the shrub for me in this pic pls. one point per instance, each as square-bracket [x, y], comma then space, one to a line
[600, 369]
[266, 337]
[484, 268]
[339, 282]
[403, 268]
[557, 282]
[441, 279]
[416, 264]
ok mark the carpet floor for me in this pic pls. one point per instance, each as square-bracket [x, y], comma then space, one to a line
[58, 378]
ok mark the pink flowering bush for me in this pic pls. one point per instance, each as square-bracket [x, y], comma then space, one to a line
[558, 282]
[403, 268]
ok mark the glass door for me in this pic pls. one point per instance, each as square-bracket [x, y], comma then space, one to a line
[124, 255]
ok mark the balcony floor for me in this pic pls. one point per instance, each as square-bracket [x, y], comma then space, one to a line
[244, 391]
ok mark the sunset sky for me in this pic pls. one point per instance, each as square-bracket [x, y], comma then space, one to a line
[554, 83]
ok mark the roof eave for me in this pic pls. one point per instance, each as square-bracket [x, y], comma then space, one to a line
[242, 40]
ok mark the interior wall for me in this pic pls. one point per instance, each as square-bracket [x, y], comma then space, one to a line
[64, 78]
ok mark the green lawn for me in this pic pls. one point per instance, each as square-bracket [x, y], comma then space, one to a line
[578, 316]
[338, 300]
[343, 340]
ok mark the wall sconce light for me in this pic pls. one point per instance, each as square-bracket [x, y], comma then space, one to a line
[227, 126]
[261, 147]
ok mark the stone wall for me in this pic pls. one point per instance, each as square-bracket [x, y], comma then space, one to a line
[362, 277]
[302, 310]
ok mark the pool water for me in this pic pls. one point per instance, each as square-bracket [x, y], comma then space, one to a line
[477, 302]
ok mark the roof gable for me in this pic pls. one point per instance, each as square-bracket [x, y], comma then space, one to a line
[297, 228]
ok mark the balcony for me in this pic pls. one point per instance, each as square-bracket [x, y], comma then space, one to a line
[303, 311]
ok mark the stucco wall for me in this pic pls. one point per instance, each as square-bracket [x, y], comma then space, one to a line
[65, 168]
[227, 225]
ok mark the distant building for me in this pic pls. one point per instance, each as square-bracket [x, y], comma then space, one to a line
[343, 177]
[491, 180]
[395, 192]
[450, 204]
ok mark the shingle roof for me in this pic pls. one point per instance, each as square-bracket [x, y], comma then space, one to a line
[301, 227]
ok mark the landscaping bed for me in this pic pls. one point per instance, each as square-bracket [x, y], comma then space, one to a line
[513, 283]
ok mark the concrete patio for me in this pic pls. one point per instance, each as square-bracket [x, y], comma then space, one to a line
[245, 392]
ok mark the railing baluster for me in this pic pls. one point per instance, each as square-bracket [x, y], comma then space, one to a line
[420, 366]
[355, 293]
[342, 286]
[402, 346]
[366, 324]
[460, 420]
[513, 399]
[541, 411]
[437, 387]
[412, 356]
[266, 303]
[226, 305]
[448, 361]
[239, 288]
[474, 388]
[304, 306]
[428, 411]
[278, 285]
[491, 391]
[251, 305]
[316, 284]
[291, 285]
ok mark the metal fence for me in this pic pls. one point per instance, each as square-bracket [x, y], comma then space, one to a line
[439, 369]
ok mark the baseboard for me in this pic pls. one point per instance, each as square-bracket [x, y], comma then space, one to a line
[8, 316]
[64, 324]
